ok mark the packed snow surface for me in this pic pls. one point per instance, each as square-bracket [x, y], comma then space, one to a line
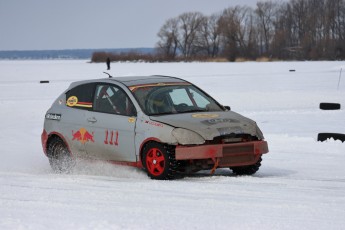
[301, 184]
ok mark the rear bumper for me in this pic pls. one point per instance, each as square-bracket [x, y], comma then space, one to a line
[44, 138]
[236, 154]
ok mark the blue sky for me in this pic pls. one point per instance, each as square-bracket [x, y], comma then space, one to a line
[80, 24]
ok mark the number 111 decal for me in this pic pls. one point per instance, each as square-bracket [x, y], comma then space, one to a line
[113, 140]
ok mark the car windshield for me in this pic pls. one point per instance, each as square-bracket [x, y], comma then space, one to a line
[163, 99]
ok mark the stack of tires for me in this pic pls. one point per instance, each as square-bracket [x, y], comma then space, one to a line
[335, 136]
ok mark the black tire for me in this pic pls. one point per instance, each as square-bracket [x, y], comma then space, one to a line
[60, 158]
[329, 106]
[336, 136]
[248, 169]
[159, 161]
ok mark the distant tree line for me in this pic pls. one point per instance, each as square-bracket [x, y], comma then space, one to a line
[296, 29]
[131, 56]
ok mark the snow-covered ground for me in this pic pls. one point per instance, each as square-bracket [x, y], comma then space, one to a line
[301, 184]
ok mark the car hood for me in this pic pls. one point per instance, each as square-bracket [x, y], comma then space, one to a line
[212, 124]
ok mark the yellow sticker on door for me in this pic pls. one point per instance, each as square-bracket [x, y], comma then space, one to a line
[72, 101]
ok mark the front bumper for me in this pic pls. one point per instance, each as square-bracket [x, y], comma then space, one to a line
[227, 155]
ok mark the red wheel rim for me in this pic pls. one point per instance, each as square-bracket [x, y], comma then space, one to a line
[155, 162]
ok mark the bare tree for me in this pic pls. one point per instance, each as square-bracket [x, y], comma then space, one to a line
[293, 29]
[266, 14]
[168, 34]
[334, 28]
[238, 32]
[209, 36]
[190, 26]
[282, 39]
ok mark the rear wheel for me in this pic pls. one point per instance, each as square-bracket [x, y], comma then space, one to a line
[248, 169]
[159, 161]
[60, 158]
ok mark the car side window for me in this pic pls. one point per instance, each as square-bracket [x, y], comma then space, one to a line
[81, 97]
[112, 99]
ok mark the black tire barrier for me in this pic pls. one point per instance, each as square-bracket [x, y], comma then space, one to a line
[329, 106]
[336, 136]
[44, 82]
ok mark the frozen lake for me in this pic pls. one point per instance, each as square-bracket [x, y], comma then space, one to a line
[300, 185]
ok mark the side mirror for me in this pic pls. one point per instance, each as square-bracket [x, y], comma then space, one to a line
[227, 107]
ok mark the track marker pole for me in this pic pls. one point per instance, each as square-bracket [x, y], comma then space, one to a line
[341, 69]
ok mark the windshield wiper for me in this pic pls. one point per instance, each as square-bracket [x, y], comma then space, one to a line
[158, 114]
[193, 111]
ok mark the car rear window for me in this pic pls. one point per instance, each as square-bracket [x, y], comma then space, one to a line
[81, 96]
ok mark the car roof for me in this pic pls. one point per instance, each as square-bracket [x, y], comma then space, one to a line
[134, 80]
[143, 80]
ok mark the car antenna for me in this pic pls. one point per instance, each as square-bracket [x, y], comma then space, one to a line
[108, 74]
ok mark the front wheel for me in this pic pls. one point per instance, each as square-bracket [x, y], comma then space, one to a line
[248, 169]
[159, 161]
[60, 158]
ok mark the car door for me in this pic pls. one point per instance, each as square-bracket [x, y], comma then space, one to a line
[73, 123]
[112, 123]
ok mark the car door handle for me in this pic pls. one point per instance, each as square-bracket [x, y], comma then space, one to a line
[92, 119]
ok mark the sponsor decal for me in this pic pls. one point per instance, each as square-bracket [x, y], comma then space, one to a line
[131, 119]
[53, 116]
[83, 136]
[203, 115]
[226, 130]
[157, 124]
[73, 101]
[114, 139]
[219, 121]
[84, 104]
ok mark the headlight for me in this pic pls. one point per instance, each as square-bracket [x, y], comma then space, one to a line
[187, 137]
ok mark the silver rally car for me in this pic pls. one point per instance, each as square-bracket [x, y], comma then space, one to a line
[166, 125]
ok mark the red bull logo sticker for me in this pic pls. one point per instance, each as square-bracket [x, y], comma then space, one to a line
[83, 136]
